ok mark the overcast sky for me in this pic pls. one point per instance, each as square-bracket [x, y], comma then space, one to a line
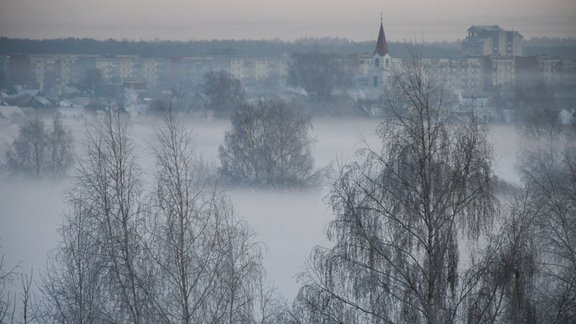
[429, 20]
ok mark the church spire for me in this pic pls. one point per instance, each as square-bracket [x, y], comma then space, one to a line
[381, 46]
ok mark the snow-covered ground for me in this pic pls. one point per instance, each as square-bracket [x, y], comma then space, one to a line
[290, 223]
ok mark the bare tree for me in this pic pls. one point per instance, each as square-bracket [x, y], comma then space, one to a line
[73, 285]
[207, 261]
[185, 228]
[39, 152]
[241, 269]
[27, 154]
[28, 311]
[7, 275]
[59, 148]
[549, 172]
[400, 215]
[508, 269]
[268, 144]
[183, 257]
[530, 265]
[17, 304]
[269, 307]
[109, 185]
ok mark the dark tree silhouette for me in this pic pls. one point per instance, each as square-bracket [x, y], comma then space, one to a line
[39, 152]
[320, 74]
[268, 144]
[222, 91]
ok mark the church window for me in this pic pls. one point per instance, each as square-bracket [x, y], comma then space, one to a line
[377, 62]
[375, 81]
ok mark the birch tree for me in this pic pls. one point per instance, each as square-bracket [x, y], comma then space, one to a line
[269, 144]
[73, 285]
[400, 213]
[549, 173]
[207, 260]
[27, 154]
[183, 256]
[186, 229]
[7, 276]
[531, 261]
[108, 182]
[38, 151]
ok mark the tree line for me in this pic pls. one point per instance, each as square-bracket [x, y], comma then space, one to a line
[163, 48]
[565, 47]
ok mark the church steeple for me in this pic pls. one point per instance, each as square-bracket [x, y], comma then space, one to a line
[381, 62]
[381, 46]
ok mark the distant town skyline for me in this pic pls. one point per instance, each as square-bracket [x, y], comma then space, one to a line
[287, 20]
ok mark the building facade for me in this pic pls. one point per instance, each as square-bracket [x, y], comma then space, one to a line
[258, 68]
[492, 41]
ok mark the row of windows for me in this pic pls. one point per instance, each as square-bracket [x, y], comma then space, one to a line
[386, 62]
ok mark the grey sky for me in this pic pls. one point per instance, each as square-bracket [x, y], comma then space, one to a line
[256, 19]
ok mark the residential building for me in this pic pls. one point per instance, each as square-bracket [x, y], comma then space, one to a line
[492, 41]
[53, 72]
[258, 68]
[551, 69]
[21, 70]
[117, 69]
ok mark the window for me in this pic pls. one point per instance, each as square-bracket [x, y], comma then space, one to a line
[377, 62]
[375, 81]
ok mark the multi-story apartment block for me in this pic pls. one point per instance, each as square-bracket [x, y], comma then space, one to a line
[53, 72]
[188, 71]
[258, 68]
[492, 41]
[472, 79]
[149, 71]
[551, 69]
[503, 75]
[467, 75]
[476, 77]
[117, 69]
[20, 70]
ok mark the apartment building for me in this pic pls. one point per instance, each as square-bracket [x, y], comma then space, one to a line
[492, 41]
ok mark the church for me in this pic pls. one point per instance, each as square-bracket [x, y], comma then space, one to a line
[377, 69]
[376, 73]
[381, 63]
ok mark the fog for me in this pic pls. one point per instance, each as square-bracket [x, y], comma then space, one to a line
[289, 222]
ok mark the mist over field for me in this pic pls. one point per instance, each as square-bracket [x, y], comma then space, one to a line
[288, 221]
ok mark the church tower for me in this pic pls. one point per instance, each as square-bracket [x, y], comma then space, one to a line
[381, 64]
